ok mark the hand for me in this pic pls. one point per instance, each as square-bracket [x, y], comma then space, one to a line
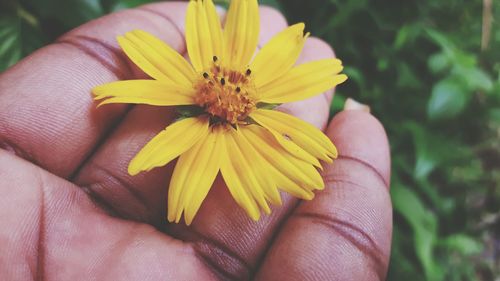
[74, 213]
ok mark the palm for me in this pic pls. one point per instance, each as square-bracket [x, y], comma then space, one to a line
[78, 215]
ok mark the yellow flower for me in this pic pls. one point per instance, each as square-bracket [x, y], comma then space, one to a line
[230, 127]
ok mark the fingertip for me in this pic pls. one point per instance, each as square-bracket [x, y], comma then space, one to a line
[272, 21]
[359, 135]
[324, 49]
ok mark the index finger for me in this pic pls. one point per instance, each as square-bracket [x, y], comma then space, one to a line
[47, 114]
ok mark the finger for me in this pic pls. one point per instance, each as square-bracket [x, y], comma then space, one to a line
[142, 197]
[345, 232]
[50, 230]
[47, 114]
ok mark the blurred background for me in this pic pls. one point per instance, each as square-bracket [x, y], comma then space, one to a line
[430, 72]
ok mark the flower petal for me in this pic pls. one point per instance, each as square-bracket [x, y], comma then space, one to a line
[150, 92]
[193, 177]
[172, 64]
[244, 164]
[298, 131]
[166, 146]
[297, 170]
[262, 169]
[303, 81]
[156, 58]
[273, 174]
[203, 34]
[279, 55]
[214, 26]
[241, 33]
[285, 140]
[235, 183]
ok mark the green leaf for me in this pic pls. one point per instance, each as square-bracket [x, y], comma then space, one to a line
[476, 79]
[272, 3]
[10, 41]
[116, 5]
[440, 39]
[66, 14]
[432, 150]
[19, 35]
[438, 62]
[464, 244]
[406, 34]
[407, 77]
[448, 99]
[338, 103]
[355, 75]
[382, 64]
[424, 225]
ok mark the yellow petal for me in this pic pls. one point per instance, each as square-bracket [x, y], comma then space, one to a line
[150, 92]
[273, 174]
[247, 177]
[156, 60]
[298, 131]
[241, 33]
[289, 186]
[193, 177]
[279, 55]
[284, 139]
[167, 145]
[232, 177]
[263, 170]
[171, 63]
[204, 38]
[286, 184]
[214, 26]
[245, 162]
[296, 169]
[303, 81]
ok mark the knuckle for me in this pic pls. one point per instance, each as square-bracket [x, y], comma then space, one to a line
[225, 263]
[353, 234]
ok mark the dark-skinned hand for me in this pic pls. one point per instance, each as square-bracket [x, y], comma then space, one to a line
[70, 211]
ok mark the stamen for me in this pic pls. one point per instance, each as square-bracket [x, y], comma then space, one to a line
[249, 72]
[215, 58]
[226, 95]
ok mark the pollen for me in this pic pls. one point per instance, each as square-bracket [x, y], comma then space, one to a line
[227, 95]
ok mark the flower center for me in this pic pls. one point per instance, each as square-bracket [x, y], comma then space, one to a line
[227, 95]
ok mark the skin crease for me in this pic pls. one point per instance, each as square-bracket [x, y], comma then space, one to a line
[74, 213]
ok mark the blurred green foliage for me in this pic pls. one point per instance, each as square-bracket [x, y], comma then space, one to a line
[430, 72]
